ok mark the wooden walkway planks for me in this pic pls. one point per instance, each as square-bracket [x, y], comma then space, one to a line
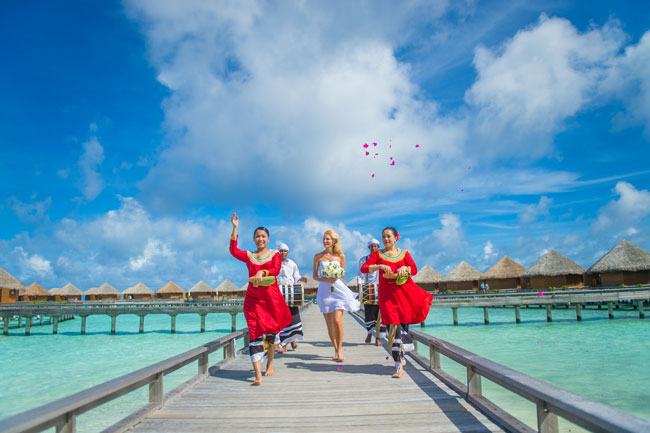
[310, 393]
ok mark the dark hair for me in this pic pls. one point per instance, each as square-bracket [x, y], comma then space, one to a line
[392, 229]
[261, 228]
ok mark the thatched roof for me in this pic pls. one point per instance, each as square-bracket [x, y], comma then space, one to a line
[352, 282]
[227, 287]
[67, 290]
[201, 287]
[8, 281]
[138, 289]
[505, 268]
[625, 256]
[172, 288]
[54, 290]
[35, 289]
[552, 264]
[244, 287]
[104, 289]
[427, 275]
[462, 272]
[311, 283]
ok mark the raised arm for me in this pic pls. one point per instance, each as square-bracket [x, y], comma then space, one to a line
[236, 252]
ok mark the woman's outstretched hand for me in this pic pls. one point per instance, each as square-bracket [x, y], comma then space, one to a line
[234, 219]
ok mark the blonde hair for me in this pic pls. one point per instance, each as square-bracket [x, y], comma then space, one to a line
[336, 248]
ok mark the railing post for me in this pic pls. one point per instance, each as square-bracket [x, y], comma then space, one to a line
[228, 349]
[434, 358]
[473, 382]
[69, 425]
[156, 390]
[247, 338]
[203, 364]
[546, 420]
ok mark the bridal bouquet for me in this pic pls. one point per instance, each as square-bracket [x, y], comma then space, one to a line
[332, 270]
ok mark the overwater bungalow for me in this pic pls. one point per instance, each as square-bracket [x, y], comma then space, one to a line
[202, 290]
[624, 264]
[462, 277]
[69, 292]
[352, 284]
[170, 291]
[35, 292]
[242, 290]
[553, 270]
[138, 292]
[311, 286]
[105, 292]
[428, 278]
[505, 274]
[9, 287]
[227, 289]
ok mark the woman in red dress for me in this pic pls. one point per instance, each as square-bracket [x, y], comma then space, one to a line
[399, 304]
[265, 310]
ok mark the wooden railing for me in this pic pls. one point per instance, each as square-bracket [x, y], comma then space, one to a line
[550, 400]
[62, 413]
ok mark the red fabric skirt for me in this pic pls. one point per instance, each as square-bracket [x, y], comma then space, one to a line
[408, 303]
[265, 310]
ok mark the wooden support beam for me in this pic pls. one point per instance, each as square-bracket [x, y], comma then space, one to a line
[639, 305]
[434, 358]
[141, 330]
[28, 325]
[517, 317]
[113, 322]
[83, 325]
[486, 318]
[20, 322]
[579, 312]
[548, 313]
[233, 326]
[610, 310]
[203, 322]
[473, 382]
[55, 324]
[173, 316]
[6, 325]
[156, 390]
[203, 364]
[546, 420]
[454, 311]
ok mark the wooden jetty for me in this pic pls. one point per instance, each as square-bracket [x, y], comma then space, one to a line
[309, 392]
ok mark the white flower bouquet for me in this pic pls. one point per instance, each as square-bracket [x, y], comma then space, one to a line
[332, 270]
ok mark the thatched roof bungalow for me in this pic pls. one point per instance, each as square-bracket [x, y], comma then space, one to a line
[505, 274]
[227, 289]
[242, 290]
[428, 278]
[311, 286]
[202, 290]
[352, 284]
[462, 277]
[69, 292]
[105, 292]
[9, 287]
[170, 291]
[139, 291]
[35, 292]
[624, 264]
[553, 270]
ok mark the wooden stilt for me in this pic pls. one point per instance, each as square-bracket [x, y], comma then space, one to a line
[579, 312]
[517, 318]
[203, 322]
[486, 319]
[454, 311]
[141, 323]
[173, 316]
[113, 322]
[83, 325]
[610, 310]
[548, 313]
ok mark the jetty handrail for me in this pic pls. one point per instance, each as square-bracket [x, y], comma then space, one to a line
[62, 413]
[546, 292]
[551, 401]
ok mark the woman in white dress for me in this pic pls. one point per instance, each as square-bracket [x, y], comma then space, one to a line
[333, 296]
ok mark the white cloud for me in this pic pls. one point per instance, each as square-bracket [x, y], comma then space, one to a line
[620, 217]
[153, 249]
[90, 160]
[30, 213]
[31, 265]
[536, 80]
[533, 211]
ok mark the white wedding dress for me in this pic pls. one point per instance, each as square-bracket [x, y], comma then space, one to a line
[341, 298]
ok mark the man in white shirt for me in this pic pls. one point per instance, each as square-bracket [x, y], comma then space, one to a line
[290, 274]
[371, 311]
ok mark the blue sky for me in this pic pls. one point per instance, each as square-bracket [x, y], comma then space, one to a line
[129, 132]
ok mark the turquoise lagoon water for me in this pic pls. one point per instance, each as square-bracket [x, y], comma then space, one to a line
[601, 359]
[604, 360]
[43, 367]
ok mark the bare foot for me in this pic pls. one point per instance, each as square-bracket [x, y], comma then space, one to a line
[284, 349]
[256, 382]
[377, 343]
[335, 358]
[368, 338]
[294, 345]
[398, 373]
[269, 372]
[341, 358]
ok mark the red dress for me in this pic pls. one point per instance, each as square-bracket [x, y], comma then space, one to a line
[405, 304]
[265, 310]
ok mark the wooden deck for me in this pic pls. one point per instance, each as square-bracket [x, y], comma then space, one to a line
[310, 393]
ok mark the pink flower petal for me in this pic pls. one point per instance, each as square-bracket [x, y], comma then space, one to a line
[462, 190]
[374, 144]
[367, 153]
[365, 146]
[417, 145]
[392, 163]
[540, 294]
[340, 368]
[386, 357]
[390, 146]
[373, 175]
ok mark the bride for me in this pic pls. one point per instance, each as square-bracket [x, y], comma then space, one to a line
[333, 296]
